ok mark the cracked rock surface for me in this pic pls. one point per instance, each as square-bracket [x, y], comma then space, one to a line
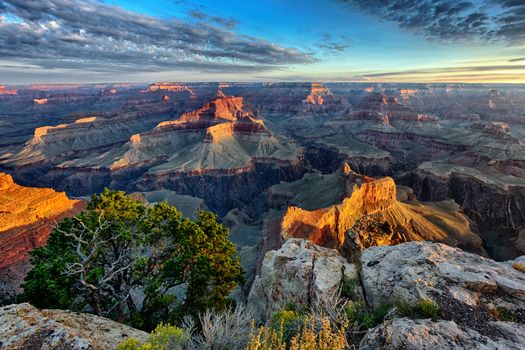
[22, 326]
[300, 273]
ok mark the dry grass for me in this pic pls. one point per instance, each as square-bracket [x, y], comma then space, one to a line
[315, 333]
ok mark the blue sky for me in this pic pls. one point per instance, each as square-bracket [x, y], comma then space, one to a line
[278, 40]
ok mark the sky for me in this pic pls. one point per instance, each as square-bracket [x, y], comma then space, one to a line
[66, 41]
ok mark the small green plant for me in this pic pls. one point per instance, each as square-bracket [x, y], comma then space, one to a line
[363, 317]
[423, 308]
[164, 337]
[348, 286]
[288, 321]
[504, 314]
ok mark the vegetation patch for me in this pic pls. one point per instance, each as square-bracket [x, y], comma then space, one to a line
[118, 248]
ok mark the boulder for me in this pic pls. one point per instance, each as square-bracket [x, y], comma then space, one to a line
[22, 326]
[404, 333]
[300, 273]
[469, 289]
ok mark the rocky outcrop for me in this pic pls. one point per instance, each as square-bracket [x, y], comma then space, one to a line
[300, 273]
[24, 211]
[358, 211]
[27, 216]
[327, 226]
[6, 91]
[377, 106]
[469, 289]
[169, 87]
[404, 333]
[481, 303]
[23, 326]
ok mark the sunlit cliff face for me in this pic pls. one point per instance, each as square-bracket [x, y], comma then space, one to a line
[6, 91]
[26, 217]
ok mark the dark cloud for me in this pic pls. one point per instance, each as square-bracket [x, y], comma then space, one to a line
[517, 59]
[453, 20]
[330, 45]
[227, 22]
[74, 34]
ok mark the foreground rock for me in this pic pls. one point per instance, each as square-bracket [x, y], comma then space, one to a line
[469, 289]
[404, 333]
[300, 273]
[23, 326]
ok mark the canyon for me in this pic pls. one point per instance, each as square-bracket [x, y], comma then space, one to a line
[345, 165]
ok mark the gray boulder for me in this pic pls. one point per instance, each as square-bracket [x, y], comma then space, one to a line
[301, 273]
[22, 326]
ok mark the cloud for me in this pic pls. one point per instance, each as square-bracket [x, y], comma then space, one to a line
[517, 59]
[90, 35]
[227, 22]
[461, 73]
[331, 46]
[452, 20]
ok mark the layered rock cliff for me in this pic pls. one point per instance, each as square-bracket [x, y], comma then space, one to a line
[27, 216]
[358, 211]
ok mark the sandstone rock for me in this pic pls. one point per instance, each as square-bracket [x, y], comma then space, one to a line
[468, 288]
[300, 273]
[404, 333]
[27, 217]
[346, 207]
[22, 326]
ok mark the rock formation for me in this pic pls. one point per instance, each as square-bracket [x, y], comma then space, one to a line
[300, 273]
[6, 91]
[171, 87]
[403, 333]
[471, 292]
[345, 206]
[25, 327]
[27, 216]
[378, 106]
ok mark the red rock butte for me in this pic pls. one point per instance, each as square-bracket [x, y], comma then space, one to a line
[171, 87]
[6, 91]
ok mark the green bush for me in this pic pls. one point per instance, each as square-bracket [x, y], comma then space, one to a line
[423, 308]
[504, 314]
[93, 261]
[363, 317]
[164, 337]
[348, 286]
[289, 321]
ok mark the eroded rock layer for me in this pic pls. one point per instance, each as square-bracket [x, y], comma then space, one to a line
[27, 216]
[359, 211]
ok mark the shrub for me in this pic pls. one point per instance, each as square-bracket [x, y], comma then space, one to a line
[228, 330]
[323, 339]
[504, 314]
[164, 337]
[423, 308]
[266, 338]
[287, 320]
[314, 333]
[93, 261]
[363, 317]
[348, 286]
